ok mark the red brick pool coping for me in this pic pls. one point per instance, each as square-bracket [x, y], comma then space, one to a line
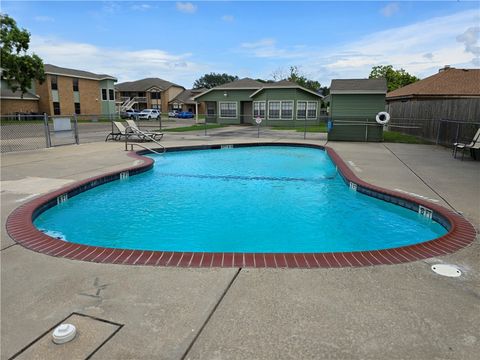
[21, 229]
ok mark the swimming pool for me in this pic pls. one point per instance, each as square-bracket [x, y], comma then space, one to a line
[242, 203]
[250, 199]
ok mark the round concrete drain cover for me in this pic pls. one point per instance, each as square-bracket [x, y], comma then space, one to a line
[446, 270]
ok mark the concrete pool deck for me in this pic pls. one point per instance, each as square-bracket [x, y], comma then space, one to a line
[395, 311]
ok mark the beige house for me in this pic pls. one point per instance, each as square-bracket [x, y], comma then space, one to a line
[149, 93]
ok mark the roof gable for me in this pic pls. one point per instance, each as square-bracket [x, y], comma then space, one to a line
[448, 82]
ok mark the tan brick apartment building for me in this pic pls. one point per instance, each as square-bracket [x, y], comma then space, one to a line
[149, 93]
[69, 91]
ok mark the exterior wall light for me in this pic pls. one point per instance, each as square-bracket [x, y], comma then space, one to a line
[225, 94]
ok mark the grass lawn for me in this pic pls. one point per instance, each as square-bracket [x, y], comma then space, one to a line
[396, 137]
[310, 128]
[197, 127]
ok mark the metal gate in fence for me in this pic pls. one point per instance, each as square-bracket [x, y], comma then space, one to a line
[31, 132]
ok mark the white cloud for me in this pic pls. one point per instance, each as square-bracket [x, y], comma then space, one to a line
[420, 48]
[390, 9]
[186, 7]
[228, 18]
[470, 39]
[42, 18]
[111, 7]
[267, 48]
[141, 7]
[126, 65]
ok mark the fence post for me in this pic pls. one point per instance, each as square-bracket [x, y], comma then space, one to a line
[438, 132]
[75, 127]
[458, 131]
[305, 128]
[47, 130]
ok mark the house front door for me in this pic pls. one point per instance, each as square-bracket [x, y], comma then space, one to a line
[246, 112]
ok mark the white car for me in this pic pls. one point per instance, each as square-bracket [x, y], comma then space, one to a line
[149, 114]
[172, 113]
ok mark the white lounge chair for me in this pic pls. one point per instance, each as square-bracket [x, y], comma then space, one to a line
[121, 131]
[153, 134]
[473, 145]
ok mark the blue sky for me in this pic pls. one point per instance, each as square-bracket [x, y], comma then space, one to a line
[181, 41]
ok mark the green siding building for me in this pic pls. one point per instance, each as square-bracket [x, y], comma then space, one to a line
[242, 101]
[354, 104]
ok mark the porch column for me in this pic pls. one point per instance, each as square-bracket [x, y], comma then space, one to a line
[196, 113]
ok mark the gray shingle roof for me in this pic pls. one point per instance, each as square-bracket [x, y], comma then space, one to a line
[358, 85]
[145, 84]
[7, 93]
[284, 84]
[245, 83]
[57, 70]
[281, 83]
[185, 97]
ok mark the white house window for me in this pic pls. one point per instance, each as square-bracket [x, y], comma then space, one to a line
[311, 109]
[259, 109]
[228, 109]
[287, 110]
[274, 109]
[301, 109]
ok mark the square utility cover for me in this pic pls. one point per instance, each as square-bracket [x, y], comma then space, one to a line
[91, 335]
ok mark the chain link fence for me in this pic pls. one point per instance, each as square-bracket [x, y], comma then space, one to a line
[23, 132]
[30, 132]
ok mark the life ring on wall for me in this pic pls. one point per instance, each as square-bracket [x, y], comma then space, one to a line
[382, 117]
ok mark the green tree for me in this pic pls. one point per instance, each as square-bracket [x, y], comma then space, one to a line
[395, 78]
[211, 80]
[299, 78]
[18, 68]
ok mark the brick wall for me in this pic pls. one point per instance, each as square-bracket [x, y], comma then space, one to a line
[90, 96]
[89, 92]
[45, 102]
[65, 95]
[11, 106]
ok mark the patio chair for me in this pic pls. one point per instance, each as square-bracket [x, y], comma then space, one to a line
[153, 134]
[121, 131]
[473, 145]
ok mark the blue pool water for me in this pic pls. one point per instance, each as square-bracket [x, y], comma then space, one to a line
[252, 199]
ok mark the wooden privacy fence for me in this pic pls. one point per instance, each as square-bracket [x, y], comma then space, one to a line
[439, 120]
[438, 131]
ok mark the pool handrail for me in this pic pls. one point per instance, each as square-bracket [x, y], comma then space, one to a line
[137, 131]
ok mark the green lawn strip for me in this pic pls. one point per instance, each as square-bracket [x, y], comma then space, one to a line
[193, 128]
[310, 128]
[397, 137]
